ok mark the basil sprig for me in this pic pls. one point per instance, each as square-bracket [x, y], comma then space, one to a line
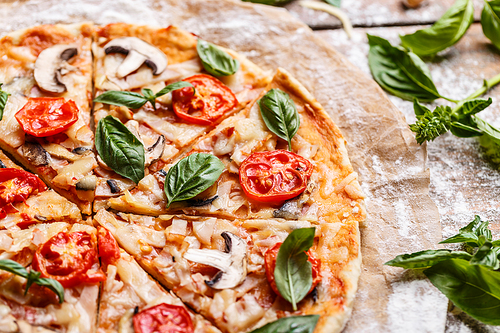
[448, 30]
[399, 71]
[294, 324]
[293, 272]
[191, 176]
[469, 279]
[216, 61]
[280, 114]
[120, 149]
[134, 100]
[3, 100]
[490, 21]
[31, 277]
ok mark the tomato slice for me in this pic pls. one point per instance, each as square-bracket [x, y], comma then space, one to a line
[46, 116]
[16, 186]
[274, 176]
[211, 100]
[163, 318]
[107, 246]
[270, 265]
[68, 258]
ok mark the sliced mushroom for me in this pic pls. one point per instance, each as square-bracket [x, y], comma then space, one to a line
[59, 151]
[155, 152]
[81, 150]
[87, 183]
[133, 126]
[113, 186]
[138, 52]
[35, 154]
[51, 65]
[232, 263]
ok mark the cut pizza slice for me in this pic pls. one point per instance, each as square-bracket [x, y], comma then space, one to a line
[49, 278]
[25, 200]
[314, 181]
[47, 72]
[225, 270]
[131, 301]
[168, 88]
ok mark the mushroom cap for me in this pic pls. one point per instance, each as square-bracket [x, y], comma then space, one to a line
[48, 67]
[138, 52]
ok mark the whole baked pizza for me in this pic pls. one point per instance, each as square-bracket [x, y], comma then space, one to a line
[167, 184]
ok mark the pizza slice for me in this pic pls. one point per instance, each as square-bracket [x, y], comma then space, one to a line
[314, 181]
[47, 72]
[225, 270]
[49, 278]
[168, 88]
[131, 300]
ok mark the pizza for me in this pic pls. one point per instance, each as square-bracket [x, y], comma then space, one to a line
[172, 186]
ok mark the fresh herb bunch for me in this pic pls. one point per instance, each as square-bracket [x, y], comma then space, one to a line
[400, 71]
[469, 278]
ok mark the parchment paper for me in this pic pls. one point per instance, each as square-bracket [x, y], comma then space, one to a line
[392, 166]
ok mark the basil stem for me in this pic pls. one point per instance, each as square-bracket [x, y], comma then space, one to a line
[3, 100]
[191, 176]
[447, 31]
[216, 61]
[32, 277]
[294, 324]
[280, 114]
[293, 272]
[120, 149]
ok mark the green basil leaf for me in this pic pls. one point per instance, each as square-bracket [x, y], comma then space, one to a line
[120, 149]
[53, 285]
[129, 99]
[280, 114]
[294, 324]
[470, 233]
[486, 255]
[3, 100]
[270, 2]
[490, 148]
[216, 61]
[473, 288]
[473, 106]
[427, 258]
[335, 3]
[400, 72]
[293, 272]
[487, 128]
[191, 176]
[13, 267]
[466, 128]
[490, 21]
[419, 109]
[174, 86]
[150, 96]
[448, 30]
[496, 243]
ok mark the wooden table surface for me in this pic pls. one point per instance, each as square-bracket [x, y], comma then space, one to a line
[463, 184]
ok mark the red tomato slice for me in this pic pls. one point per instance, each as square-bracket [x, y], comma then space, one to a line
[274, 176]
[163, 318]
[211, 100]
[107, 246]
[16, 186]
[270, 264]
[44, 116]
[68, 258]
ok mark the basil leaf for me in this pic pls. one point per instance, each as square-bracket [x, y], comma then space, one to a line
[490, 21]
[427, 258]
[32, 277]
[486, 256]
[280, 114]
[3, 100]
[294, 324]
[120, 149]
[419, 109]
[53, 285]
[473, 288]
[487, 128]
[474, 106]
[293, 272]
[191, 176]
[129, 99]
[174, 86]
[448, 30]
[401, 73]
[335, 3]
[466, 128]
[464, 124]
[150, 96]
[470, 233]
[216, 61]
